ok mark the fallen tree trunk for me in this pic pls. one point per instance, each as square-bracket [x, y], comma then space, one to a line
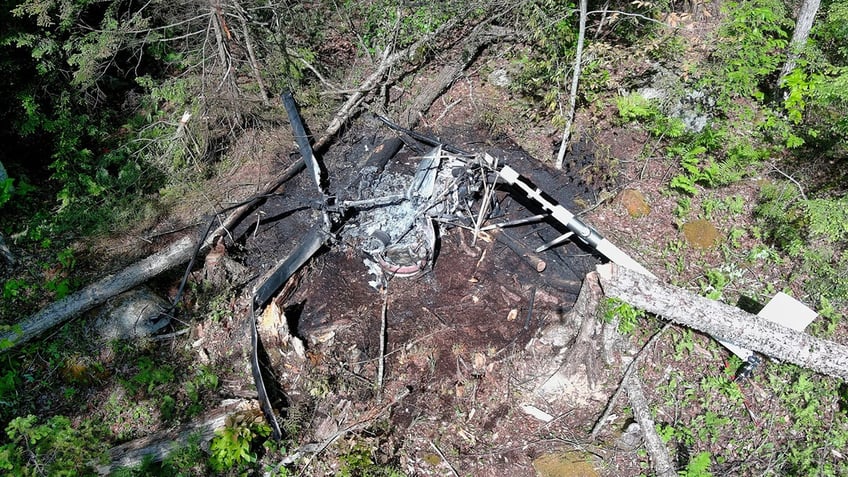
[724, 321]
[156, 447]
[98, 292]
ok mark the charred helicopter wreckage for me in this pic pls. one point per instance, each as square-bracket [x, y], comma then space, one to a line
[394, 219]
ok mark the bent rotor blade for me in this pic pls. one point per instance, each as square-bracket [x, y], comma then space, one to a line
[616, 255]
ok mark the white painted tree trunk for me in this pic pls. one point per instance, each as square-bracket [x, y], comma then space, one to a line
[575, 80]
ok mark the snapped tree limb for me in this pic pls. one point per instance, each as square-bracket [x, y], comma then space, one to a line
[642, 412]
[724, 321]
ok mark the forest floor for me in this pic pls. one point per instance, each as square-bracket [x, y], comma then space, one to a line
[462, 360]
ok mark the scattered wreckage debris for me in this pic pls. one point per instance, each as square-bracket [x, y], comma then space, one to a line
[185, 249]
[394, 225]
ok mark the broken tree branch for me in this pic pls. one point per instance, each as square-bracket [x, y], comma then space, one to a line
[630, 369]
[642, 413]
[724, 321]
[349, 107]
[533, 260]
[254, 63]
[381, 364]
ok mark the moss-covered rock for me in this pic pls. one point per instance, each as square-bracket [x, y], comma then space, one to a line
[634, 203]
[565, 464]
[700, 234]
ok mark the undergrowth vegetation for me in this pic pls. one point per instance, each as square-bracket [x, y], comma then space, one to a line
[118, 107]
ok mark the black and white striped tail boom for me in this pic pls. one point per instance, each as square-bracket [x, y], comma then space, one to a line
[580, 229]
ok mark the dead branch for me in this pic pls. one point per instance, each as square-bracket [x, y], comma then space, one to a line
[367, 419]
[156, 447]
[349, 107]
[641, 411]
[254, 64]
[630, 369]
[575, 79]
[724, 322]
[381, 364]
[97, 293]
[533, 260]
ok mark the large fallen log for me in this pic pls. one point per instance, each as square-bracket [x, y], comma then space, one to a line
[724, 321]
[156, 447]
[97, 293]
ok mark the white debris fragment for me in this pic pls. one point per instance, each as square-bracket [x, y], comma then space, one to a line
[536, 413]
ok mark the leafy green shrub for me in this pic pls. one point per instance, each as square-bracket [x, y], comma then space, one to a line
[698, 466]
[752, 40]
[813, 231]
[149, 376]
[358, 461]
[383, 21]
[52, 448]
[232, 445]
[635, 107]
[817, 430]
[627, 316]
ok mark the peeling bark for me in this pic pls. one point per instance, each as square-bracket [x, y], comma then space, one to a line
[724, 321]
[156, 447]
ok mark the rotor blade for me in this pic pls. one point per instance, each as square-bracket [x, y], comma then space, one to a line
[553, 243]
[616, 255]
[512, 223]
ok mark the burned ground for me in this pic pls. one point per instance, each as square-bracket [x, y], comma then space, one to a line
[454, 334]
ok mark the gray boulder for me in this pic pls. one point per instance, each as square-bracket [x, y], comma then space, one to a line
[134, 314]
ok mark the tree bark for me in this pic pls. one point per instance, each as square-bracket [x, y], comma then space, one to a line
[156, 447]
[799, 38]
[583, 356]
[641, 412]
[98, 292]
[724, 321]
